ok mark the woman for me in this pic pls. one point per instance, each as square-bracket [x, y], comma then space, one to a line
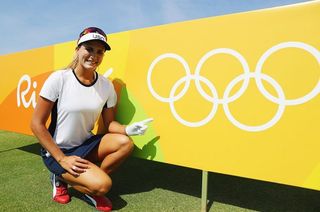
[75, 98]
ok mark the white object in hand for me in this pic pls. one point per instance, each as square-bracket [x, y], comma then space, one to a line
[138, 128]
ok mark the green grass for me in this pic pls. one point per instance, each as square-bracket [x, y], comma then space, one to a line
[140, 185]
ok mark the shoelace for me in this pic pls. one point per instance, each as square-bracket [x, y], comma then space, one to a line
[61, 190]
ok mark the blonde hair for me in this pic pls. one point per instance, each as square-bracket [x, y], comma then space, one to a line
[75, 60]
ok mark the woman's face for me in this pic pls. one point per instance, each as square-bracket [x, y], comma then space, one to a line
[90, 54]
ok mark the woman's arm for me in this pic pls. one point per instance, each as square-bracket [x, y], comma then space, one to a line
[136, 128]
[109, 122]
[73, 164]
[38, 126]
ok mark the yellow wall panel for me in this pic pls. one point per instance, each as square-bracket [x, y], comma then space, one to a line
[235, 94]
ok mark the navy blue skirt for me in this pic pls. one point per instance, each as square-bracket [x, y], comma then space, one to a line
[82, 151]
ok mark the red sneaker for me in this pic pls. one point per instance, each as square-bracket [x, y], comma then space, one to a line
[101, 203]
[60, 190]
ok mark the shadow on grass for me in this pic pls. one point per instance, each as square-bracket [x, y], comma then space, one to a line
[137, 175]
[33, 148]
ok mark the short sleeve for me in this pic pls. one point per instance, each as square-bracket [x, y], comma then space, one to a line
[112, 97]
[52, 86]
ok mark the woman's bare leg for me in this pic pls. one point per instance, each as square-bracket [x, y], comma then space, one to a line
[93, 182]
[112, 151]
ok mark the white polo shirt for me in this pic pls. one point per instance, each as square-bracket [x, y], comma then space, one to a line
[77, 106]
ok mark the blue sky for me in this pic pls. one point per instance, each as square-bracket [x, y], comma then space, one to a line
[37, 23]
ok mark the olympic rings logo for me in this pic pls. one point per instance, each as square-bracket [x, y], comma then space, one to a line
[257, 75]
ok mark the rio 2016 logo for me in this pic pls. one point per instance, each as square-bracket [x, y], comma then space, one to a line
[21, 95]
[257, 75]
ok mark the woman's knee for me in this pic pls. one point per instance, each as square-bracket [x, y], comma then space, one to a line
[100, 186]
[117, 143]
[127, 143]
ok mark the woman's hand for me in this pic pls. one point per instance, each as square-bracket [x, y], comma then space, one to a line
[75, 165]
[138, 128]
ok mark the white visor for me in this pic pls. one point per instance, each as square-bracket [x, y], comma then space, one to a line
[93, 36]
